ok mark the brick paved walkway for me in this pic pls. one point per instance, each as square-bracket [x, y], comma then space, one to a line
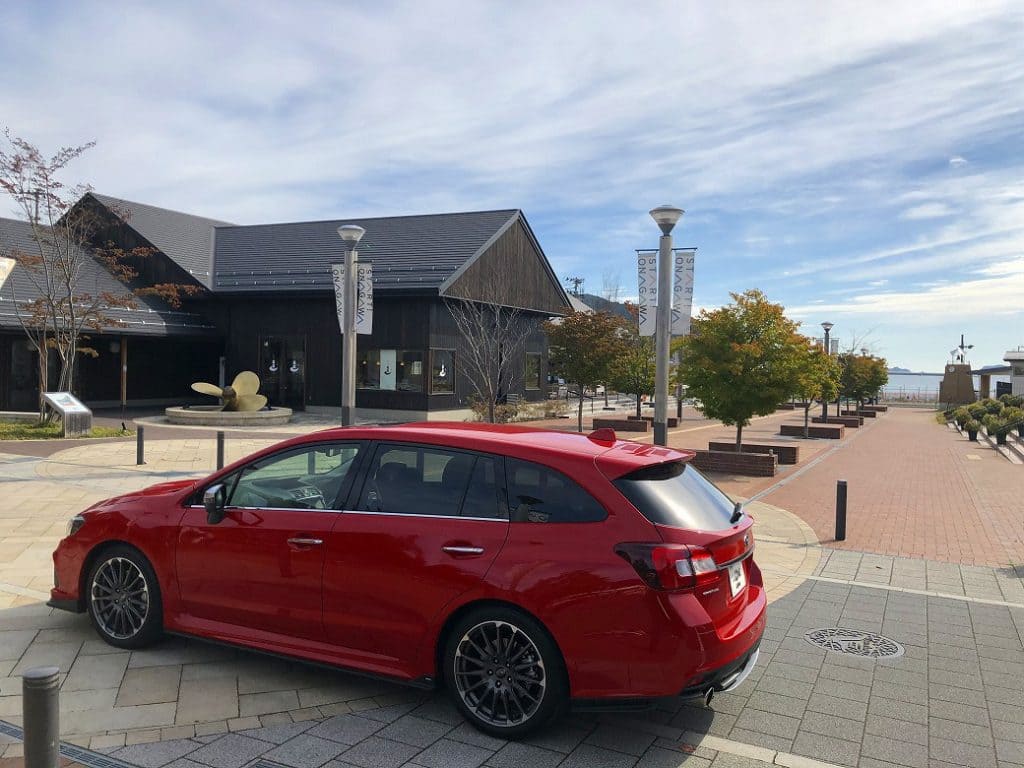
[917, 490]
[952, 699]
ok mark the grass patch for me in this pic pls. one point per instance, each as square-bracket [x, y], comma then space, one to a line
[22, 430]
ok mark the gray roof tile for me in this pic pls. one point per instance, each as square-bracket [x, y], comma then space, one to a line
[417, 252]
[150, 317]
[186, 239]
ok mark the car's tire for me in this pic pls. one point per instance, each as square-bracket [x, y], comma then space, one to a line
[504, 672]
[122, 597]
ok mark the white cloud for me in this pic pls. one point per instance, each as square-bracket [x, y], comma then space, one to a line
[956, 161]
[927, 211]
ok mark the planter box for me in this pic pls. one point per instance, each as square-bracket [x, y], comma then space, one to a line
[754, 464]
[622, 425]
[672, 420]
[876, 408]
[787, 407]
[846, 421]
[830, 432]
[786, 454]
[865, 414]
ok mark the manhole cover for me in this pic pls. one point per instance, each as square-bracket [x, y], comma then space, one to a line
[854, 642]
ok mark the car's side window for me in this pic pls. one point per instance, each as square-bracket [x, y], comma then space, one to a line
[482, 496]
[423, 480]
[539, 494]
[310, 477]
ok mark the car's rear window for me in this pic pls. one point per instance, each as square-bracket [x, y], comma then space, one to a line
[676, 493]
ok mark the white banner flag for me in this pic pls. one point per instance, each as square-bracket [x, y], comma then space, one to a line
[364, 297]
[647, 293]
[338, 277]
[682, 290]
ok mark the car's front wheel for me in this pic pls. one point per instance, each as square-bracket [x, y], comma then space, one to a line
[123, 598]
[504, 672]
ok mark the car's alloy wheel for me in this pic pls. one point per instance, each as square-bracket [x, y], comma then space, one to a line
[499, 673]
[124, 598]
[505, 672]
[120, 598]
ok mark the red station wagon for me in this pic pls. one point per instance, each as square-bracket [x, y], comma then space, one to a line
[522, 569]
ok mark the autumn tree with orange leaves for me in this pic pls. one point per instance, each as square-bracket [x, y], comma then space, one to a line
[64, 308]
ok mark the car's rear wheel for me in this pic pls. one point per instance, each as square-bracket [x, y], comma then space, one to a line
[504, 672]
[123, 598]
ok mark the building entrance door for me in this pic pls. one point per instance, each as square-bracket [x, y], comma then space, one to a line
[283, 370]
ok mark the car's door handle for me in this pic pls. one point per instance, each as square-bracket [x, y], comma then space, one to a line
[298, 542]
[453, 549]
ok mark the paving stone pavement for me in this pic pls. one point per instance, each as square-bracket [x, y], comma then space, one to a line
[953, 698]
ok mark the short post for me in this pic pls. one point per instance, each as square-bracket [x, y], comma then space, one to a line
[841, 510]
[140, 445]
[220, 450]
[40, 689]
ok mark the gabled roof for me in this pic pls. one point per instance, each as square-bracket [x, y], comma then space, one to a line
[408, 252]
[185, 239]
[150, 317]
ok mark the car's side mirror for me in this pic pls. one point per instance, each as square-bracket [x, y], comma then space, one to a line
[213, 500]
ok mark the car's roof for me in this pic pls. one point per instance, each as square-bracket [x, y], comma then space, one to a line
[613, 457]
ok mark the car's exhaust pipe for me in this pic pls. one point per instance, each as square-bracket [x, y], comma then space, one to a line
[708, 695]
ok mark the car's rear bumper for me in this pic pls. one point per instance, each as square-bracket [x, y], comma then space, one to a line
[728, 677]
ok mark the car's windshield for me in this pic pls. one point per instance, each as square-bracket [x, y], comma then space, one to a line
[677, 494]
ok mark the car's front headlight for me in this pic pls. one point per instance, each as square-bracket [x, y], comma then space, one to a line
[74, 524]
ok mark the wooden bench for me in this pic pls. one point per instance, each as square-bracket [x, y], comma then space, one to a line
[786, 454]
[787, 407]
[672, 420]
[876, 408]
[754, 464]
[865, 414]
[830, 432]
[846, 421]
[622, 425]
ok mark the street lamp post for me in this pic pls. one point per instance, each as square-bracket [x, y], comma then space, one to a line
[351, 234]
[665, 216]
[828, 351]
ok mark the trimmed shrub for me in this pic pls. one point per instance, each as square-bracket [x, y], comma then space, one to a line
[971, 426]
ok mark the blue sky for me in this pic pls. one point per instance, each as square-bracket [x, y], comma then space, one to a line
[859, 162]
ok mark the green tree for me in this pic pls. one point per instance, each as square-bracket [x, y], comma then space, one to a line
[583, 347]
[862, 376]
[633, 371]
[817, 378]
[741, 360]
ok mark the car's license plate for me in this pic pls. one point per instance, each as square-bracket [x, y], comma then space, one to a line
[737, 578]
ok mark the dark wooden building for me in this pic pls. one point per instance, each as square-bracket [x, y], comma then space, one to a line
[266, 303]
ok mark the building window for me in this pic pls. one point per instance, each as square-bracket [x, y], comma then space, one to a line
[410, 370]
[442, 371]
[532, 377]
[391, 369]
[368, 376]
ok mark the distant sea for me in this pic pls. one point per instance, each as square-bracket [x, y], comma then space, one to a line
[920, 386]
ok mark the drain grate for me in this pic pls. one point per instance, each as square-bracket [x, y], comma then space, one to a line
[71, 751]
[854, 642]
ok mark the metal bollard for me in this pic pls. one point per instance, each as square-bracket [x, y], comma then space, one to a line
[140, 445]
[40, 688]
[841, 510]
[220, 450]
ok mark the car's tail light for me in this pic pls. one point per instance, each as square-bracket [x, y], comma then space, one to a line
[670, 566]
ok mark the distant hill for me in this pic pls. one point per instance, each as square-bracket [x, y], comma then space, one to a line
[600, 304]
[897, 369]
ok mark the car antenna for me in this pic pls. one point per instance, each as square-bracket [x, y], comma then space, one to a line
[737, 513]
